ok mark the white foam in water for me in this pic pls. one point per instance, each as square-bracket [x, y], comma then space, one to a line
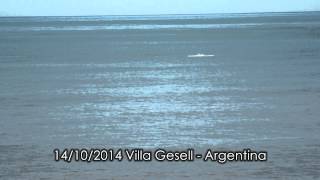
[199, 55]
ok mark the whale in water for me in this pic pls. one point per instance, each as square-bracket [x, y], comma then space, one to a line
[200, 55]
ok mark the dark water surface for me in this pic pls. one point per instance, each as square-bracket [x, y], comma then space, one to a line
[128, 82]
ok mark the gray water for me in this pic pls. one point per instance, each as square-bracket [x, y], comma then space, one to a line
[123, 82]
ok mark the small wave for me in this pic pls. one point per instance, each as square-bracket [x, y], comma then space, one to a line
[199, 55]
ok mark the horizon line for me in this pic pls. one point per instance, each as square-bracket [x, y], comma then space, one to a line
[254, 12]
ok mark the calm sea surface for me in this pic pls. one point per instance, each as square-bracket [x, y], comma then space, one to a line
[131, 81]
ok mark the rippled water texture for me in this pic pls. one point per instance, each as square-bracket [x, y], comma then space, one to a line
[138, 82]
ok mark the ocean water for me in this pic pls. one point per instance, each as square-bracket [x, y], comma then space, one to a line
[137, 81]
[149, 22]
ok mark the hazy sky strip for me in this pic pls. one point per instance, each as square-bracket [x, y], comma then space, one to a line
[140, 7]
